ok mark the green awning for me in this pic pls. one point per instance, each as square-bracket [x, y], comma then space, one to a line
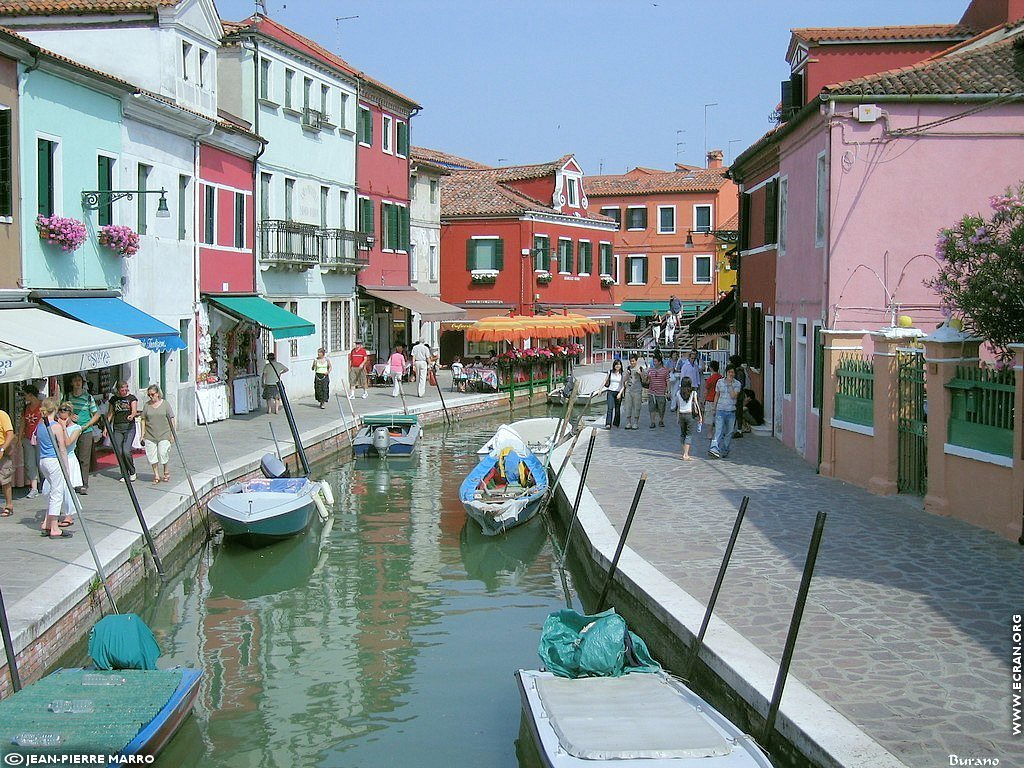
[648, 308]
[282, 323]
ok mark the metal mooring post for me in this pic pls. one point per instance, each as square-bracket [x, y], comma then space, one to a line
[579, 495]
[12, 657]
[794, 628]
[622, 540]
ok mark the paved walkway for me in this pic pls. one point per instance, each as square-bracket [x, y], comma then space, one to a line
[907, 631]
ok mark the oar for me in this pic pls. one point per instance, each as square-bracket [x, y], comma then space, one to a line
[401, 391]
[579, 494]
[206, 423]
[440, 394]
[558, 474]
[273, 435]
[622, 540]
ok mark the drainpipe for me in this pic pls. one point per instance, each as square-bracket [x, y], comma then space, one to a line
[255, 161]
[826, 281]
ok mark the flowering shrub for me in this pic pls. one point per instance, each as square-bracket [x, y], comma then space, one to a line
[66, 233]
[574, 349]
[982, 271]
[119, 238]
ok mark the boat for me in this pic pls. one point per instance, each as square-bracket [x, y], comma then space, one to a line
[534, 435]
[112, 712]
[387, 435]
[267, 508]
[500, 561]
[591, 390]
[603, 700]
[504, 490]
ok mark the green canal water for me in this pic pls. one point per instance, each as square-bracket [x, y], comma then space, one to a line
[386, 638]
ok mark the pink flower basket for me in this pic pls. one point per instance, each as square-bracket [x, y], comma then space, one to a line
[65, 233]
[122, 240]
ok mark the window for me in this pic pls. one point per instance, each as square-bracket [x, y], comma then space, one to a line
[265, 182]
[6, 197]
[403, 138]
[615, 268]
[183, 377]
[821, 204]
[365, 126]
[142, 218]
[337, 315]
[771, 211]
[819, 367]
[209, 213]
[343, 110]
[670, 270]
[325, 198]
[636, 269]
[413, 183]
[105, 179]
[289, 199]
[325, 326]
[394, 227]
[565, 255]
[364, 216]
[636, 218]
[183, 196]
[432, 265]
[702, 218]
[613, 213]
[572, 192]
[325, 101]
[751, 334]
[585, 260]
[414, 270]
[542, 252]
[485, 253]
[343, 210]
[702, 270]
[433, 191]
[307, 89]
[666, 219]
[385, 134]
[289, 83]
[239, 220]
[265, 73]
[204, 72]
[783, 213]
[293, 347]
[144, 372]
[46, 167]
[604, 255]
[186, 60]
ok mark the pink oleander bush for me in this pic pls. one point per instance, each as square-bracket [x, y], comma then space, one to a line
[67, 234]
[123, 240]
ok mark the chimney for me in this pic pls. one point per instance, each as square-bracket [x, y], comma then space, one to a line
[984, 14]
[715, 158]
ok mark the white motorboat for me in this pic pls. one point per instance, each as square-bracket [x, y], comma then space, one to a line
[591, 390]
[529, 435]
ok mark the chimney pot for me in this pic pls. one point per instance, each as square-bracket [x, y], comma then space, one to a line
[715, 158]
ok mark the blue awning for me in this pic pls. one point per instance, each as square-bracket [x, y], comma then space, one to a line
[119, 316]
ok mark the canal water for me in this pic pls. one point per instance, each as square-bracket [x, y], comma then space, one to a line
[386, 638]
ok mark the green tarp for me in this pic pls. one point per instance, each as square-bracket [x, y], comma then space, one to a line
[282, 323]
[574, 645]
[123, 641]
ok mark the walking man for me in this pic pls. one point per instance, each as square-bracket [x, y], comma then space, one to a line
[710, 393]
[420, 361]
[357, 369]
[657, 393]
[690, 368]
[727, 391]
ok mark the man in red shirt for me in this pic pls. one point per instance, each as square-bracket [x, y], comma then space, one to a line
[357, 369]
[657, 379]
[710, 392]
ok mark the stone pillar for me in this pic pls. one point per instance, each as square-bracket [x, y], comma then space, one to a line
[944, 350]
[1018, 436]
[835, 344]
[886, 440]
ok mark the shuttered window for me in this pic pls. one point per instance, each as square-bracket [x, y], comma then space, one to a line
[636, 270]
[613, 213]
[403, 227]
[819, 367]
[585, 260]
[45, 168]
[105, 181]
[542, 252]
[564, 255]
[365, 126]
[6, 199]
[402, 139]
[605, 257]
[636, 218]
[239, 220]
[485, 253]
[365, 216]
[771, 211]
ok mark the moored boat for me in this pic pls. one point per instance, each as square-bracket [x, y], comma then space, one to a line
[264, 509]
[534, 435]
[504, 490]
[387, 435]
[591, 390]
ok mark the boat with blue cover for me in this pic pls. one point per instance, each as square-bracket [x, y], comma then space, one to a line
[387, 434]
[264, 509]
[504, 490]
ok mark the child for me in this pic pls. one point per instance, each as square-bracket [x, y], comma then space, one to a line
[458, 375]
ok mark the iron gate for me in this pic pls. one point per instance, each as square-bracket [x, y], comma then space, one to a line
[911, 423]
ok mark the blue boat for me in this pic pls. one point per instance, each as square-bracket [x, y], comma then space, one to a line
[504, 490]
[389, 434]
[264, 509]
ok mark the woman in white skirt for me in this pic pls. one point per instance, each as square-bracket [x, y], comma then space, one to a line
[53, 453]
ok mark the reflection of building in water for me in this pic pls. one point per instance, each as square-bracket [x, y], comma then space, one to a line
[426, 511]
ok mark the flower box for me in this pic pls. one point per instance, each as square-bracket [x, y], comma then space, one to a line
[66, 233]
[484, 276]
[607, 281]
[124, 241]
[544, 277]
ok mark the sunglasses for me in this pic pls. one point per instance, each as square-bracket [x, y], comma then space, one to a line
[66, 410]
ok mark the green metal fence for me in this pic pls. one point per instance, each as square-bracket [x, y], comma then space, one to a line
[981, 414]
[911, 423]
[855, 387]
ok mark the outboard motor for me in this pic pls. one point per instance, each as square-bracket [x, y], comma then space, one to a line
[381, 440]
[272, 467]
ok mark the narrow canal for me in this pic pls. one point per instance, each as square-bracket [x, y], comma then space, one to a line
[387, 637]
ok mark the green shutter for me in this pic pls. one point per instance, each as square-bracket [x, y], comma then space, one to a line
[404, 227]
[394, 238]
[105, 173]
[403, 139]
[499, 254]
[819, 367]
[643, 222]
[787, 339]
[368, 215]
[644, 263]
[771, 211]
[570, 248]
[44, 166]
[471, 254]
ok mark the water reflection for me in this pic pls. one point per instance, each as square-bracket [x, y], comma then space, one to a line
[388, 640]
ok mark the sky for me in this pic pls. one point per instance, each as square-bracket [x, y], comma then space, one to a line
[617, 83]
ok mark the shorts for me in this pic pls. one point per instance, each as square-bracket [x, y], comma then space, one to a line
[6, 470]
[357, 377]
[158, 452]
[271, 392]
[30, 456]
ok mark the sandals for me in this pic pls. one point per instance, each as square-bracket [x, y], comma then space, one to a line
[63, 535]
[167, 477]
[65, 523]
[7, 512]
[156, 481]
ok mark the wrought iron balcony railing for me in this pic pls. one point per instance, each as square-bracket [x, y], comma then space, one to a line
[344, 250]
[293, 245]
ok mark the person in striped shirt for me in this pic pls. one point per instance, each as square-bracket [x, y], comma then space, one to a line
[657, 394]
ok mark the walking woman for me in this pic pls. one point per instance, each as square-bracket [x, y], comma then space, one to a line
[121, 413]
[634, 390]
[690, 417]
[614, 382]
[52, 454]
[156, 421]
[656, 323]
[322, 377]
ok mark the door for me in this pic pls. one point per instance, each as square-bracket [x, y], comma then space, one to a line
[768, 396]
[800, 388]
[912, 423]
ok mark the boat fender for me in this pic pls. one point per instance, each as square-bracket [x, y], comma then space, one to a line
[320, 506]
[325, 489]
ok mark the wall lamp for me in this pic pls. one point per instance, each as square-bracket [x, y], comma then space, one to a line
[95, 198]
[729, 236]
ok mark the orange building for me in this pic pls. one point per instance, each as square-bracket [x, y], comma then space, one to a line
[666, 244]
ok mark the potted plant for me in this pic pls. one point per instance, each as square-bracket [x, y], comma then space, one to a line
[544, 277]
[124, 241]
[607, 281]
[66, 233]
[484, 276]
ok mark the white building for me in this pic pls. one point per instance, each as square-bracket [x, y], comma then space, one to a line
[425, 239]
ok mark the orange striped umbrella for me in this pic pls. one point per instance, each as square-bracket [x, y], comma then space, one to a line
[498, 329]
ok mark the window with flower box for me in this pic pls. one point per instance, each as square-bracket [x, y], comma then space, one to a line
[565, 256]
[46, 176]
[485, 253]
[585, 259]
[605, 262]
[542, 253]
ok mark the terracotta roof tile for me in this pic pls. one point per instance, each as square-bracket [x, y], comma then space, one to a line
[903, 33]
[445, 159]
[509, 173]
[733, 222]
[699, 180]
[988, 69]
[81, 7]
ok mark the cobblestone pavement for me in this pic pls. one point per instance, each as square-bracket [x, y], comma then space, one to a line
[907, 630]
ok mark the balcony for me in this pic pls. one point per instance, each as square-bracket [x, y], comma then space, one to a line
[290, 245]
[313, 120]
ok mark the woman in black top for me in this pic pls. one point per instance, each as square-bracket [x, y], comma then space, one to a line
[121, 412]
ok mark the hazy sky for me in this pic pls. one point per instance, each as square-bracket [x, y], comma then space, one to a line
[619, 83]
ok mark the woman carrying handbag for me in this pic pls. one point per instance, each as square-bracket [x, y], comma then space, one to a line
[690, 417]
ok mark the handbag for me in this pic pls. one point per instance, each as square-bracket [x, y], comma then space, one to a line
[431, 378]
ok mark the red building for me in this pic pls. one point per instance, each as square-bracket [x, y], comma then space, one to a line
[520, 239]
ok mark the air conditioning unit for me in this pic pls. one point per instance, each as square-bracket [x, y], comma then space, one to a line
[313, 119]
